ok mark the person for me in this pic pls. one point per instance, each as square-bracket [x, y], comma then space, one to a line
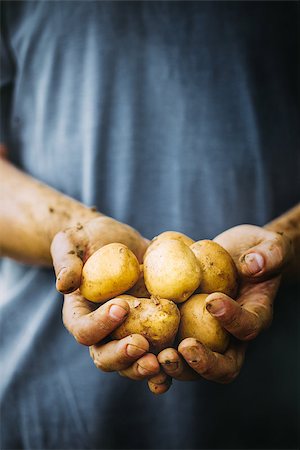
[160, 115]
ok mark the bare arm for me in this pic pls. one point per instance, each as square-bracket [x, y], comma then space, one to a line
[31, 213]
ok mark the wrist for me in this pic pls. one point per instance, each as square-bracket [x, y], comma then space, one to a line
[31, 213]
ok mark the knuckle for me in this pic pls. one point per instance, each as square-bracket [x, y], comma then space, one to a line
[99, 364]
[98, 360]
[56, 238]
[231, 321]
[82, 336]
[249, 334]
[102, 322]
[268, 316]
[207, 372]
[60, 237]
[278, 250]
[205, 368]
[230, 377]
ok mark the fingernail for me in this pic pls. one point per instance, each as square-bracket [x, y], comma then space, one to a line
[116, 312]
[170, 366]
[143, 371]
[134, 351]
[191, 354]
[216, 307]
[254, 262]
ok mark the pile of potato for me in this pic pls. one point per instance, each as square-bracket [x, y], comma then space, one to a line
[167, 293]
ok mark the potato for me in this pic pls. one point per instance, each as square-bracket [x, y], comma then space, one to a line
[171, 271]
[173, 235]
[110, 271]
[219, 273]
[198, 323]
[169, 235]
[139, 289]
[155, 319]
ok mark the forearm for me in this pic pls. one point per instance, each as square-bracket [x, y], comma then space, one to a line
[31, 213]
[289, 225]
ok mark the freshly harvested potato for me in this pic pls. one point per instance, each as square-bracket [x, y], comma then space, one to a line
[155, 319]
[171, 271]
[110, 271]
[219, 273]
[196, 322]
[169, 235]
[139, 289]
[173, 235]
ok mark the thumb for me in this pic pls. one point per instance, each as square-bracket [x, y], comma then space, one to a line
[67, 257]
[266, 258]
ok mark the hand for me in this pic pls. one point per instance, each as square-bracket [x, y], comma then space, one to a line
[88, 322]
[91, 325]
[260, 256]
[72, 247]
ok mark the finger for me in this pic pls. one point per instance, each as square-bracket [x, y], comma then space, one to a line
[252, 313]
[145, 367]
[89, 325]
[67, 255]
[175, 366]
[266, 258]
[211, 365]
[160, 384]
[119, 355]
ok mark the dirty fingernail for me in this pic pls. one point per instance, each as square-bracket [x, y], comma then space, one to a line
[134, 351]
[116, 312]
[216, 307]
[64, 284]
[170, 366]
[254, 263]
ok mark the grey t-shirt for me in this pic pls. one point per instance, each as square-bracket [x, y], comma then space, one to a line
[167, 116]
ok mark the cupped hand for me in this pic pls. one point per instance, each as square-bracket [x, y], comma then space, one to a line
[260, 255]
[89, 323]
[70, 248]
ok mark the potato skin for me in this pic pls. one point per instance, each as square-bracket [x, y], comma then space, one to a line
[169, 235]
[110, 271]
[171, 271]
[198, 323]
[219, 272]
[155, 319]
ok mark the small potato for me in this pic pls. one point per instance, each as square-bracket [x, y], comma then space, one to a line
[169, 235]
[219, 273]
[139, 289]
[171, 271]
[110, 271]
[155, 319]
[196, 322]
